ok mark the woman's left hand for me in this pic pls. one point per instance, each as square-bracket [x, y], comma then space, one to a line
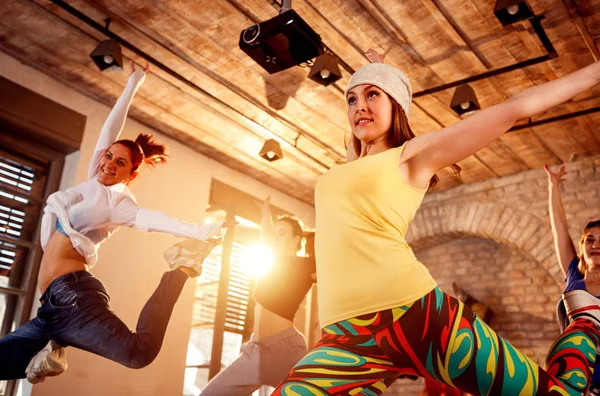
[374, 56]
[146, 68]
[230, 224]
[555, 178]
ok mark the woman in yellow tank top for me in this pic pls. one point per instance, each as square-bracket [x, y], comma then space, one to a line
[383, 315]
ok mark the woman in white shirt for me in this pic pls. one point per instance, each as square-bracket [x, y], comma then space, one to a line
[74, 304]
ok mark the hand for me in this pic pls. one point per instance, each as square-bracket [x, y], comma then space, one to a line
[146, 68]
[230, 224]
[374, 56]
[555, 178]
[265, 206]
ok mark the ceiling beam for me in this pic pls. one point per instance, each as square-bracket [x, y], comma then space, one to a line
[583, 28]
[84, 18]
[551, 54]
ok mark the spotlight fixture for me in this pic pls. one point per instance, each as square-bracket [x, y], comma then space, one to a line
[464, 100]
[325, 71]
[107, 55]
[511, 11]
[271, 150]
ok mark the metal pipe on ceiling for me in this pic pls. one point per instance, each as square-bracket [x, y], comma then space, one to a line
[539, 31]
[484, 75]
[87, 20]
[535, 22]
[561, 117]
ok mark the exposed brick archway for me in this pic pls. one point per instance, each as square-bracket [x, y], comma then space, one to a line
[491, 220]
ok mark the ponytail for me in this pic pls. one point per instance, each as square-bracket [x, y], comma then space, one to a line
[145, 150]
[154, 152]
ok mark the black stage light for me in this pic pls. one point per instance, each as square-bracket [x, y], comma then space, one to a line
[107, 55]
[464, 100]
[281, 42]
[325, 71]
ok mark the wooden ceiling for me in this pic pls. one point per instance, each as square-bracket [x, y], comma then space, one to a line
[225, 105]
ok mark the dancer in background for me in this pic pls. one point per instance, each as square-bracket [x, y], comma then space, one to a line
[74, 304]
[275, 345]
[382, 313]
[582, 271]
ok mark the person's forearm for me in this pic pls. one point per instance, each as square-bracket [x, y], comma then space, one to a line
[538, 99]
[266, 227]
[563, 245]
[556, 209]
[116, 120]
[156, 221]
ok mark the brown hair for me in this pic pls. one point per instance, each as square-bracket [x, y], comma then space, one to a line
[400, 133]
[296, 228]
[145, 150]
[582, 266]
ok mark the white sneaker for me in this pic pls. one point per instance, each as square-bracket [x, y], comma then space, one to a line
[581, 304]
[49, 362]
[190, 253]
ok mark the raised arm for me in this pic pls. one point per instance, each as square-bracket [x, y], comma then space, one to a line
[563, 244]
[266, 224]
[128, 213]
[116, 119]
[433, 151]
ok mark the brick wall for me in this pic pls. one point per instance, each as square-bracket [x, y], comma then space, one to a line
[494, 240]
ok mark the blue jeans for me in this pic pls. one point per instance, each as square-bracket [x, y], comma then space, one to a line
[75, 312]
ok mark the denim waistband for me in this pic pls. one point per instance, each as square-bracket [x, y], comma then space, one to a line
[73, 277]
[73, 280]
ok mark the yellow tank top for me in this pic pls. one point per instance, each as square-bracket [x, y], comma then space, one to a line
[364, 264]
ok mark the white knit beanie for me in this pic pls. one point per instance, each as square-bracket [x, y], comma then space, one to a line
[391, 80]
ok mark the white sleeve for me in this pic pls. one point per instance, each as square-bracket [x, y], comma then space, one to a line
[128, 213]
[116, 120]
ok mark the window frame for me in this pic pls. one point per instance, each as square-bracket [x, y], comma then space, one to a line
[28, 290]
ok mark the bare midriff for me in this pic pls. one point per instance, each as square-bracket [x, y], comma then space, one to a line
[267, 323]
[59, 258]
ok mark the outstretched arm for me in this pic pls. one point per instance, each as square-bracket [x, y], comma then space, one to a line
[266, 224]
[433, 151]
[128, 213]
[563, 244]
[116, 119]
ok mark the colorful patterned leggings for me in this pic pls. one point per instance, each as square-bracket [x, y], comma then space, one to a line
[438, 337]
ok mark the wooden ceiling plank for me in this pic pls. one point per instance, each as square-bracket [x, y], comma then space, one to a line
[224, 111]
[433, 41]
[223, 59]
[81, 71]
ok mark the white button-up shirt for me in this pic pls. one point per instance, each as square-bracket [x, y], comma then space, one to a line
[90, 212]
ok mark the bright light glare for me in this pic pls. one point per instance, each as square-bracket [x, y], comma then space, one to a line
[257, 260]
[325, 74]
[513, 9]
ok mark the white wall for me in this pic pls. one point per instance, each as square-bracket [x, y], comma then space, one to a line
[131, 262]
